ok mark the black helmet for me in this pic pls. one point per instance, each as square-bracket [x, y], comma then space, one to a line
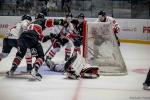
[81, 15]
[102, 13]
[39, 15]
[26, 17]
[69, 15]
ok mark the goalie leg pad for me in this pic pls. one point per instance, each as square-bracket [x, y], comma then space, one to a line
[91, 72]
[69, 63]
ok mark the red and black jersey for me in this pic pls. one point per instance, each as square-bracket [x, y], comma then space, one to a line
[39, 25]
[78, 27]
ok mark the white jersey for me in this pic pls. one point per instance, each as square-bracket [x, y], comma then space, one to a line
[15, 32]
[65, 30]
[68, 29]
[56, 29]
[110, 19]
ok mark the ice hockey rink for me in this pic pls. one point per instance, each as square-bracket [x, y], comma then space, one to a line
[55, 86]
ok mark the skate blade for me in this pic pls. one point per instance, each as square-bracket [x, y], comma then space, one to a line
[19, 76]
[34, 78]
[148, 89]
[25, 72]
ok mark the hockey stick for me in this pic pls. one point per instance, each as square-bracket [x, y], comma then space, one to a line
[52, 43]
[50, 47]
[90, 51]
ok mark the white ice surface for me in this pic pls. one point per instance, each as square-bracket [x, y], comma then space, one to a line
[54, 86]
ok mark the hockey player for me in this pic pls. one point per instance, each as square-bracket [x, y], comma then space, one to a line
[103, 18]
[62, 39]
[146, 84]
[100, 39]
[66, 32]
[78, 32]
[30, 39]
[11, 39]
[76, 67]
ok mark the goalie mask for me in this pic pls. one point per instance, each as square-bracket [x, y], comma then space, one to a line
[102, 13]
[102, 16]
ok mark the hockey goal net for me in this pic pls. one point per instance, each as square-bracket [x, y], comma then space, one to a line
[100, 48]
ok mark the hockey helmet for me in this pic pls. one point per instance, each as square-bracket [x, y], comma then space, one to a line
[69, 15]
[39, 15]
[102, 13]
[81, 16]
[26, 17]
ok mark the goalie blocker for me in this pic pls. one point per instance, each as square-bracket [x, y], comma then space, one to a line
[76, 67]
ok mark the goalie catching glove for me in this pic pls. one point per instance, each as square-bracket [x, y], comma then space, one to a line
[56, 36]
[61, 22]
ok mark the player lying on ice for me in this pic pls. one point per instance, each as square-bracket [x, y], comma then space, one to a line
[76, 67]
[69, 34]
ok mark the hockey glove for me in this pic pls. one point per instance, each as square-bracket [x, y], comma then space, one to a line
[91, 72]
[58, 22]
[56, 36]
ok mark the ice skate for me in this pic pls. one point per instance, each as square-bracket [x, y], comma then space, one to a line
[146, 87]
[72, 75]
[36, 75]
[10, 73]
[28, 70]
[49, 63]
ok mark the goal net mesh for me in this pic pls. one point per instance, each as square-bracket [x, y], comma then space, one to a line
[100, 48]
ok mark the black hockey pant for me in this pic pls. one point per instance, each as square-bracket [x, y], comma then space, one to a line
[26, 40]
[8, 44]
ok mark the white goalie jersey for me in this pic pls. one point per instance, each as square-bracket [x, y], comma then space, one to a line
[15, 31]
[110, 19]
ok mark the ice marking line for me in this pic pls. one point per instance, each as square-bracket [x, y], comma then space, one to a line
[140, 71]
[77, 91]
